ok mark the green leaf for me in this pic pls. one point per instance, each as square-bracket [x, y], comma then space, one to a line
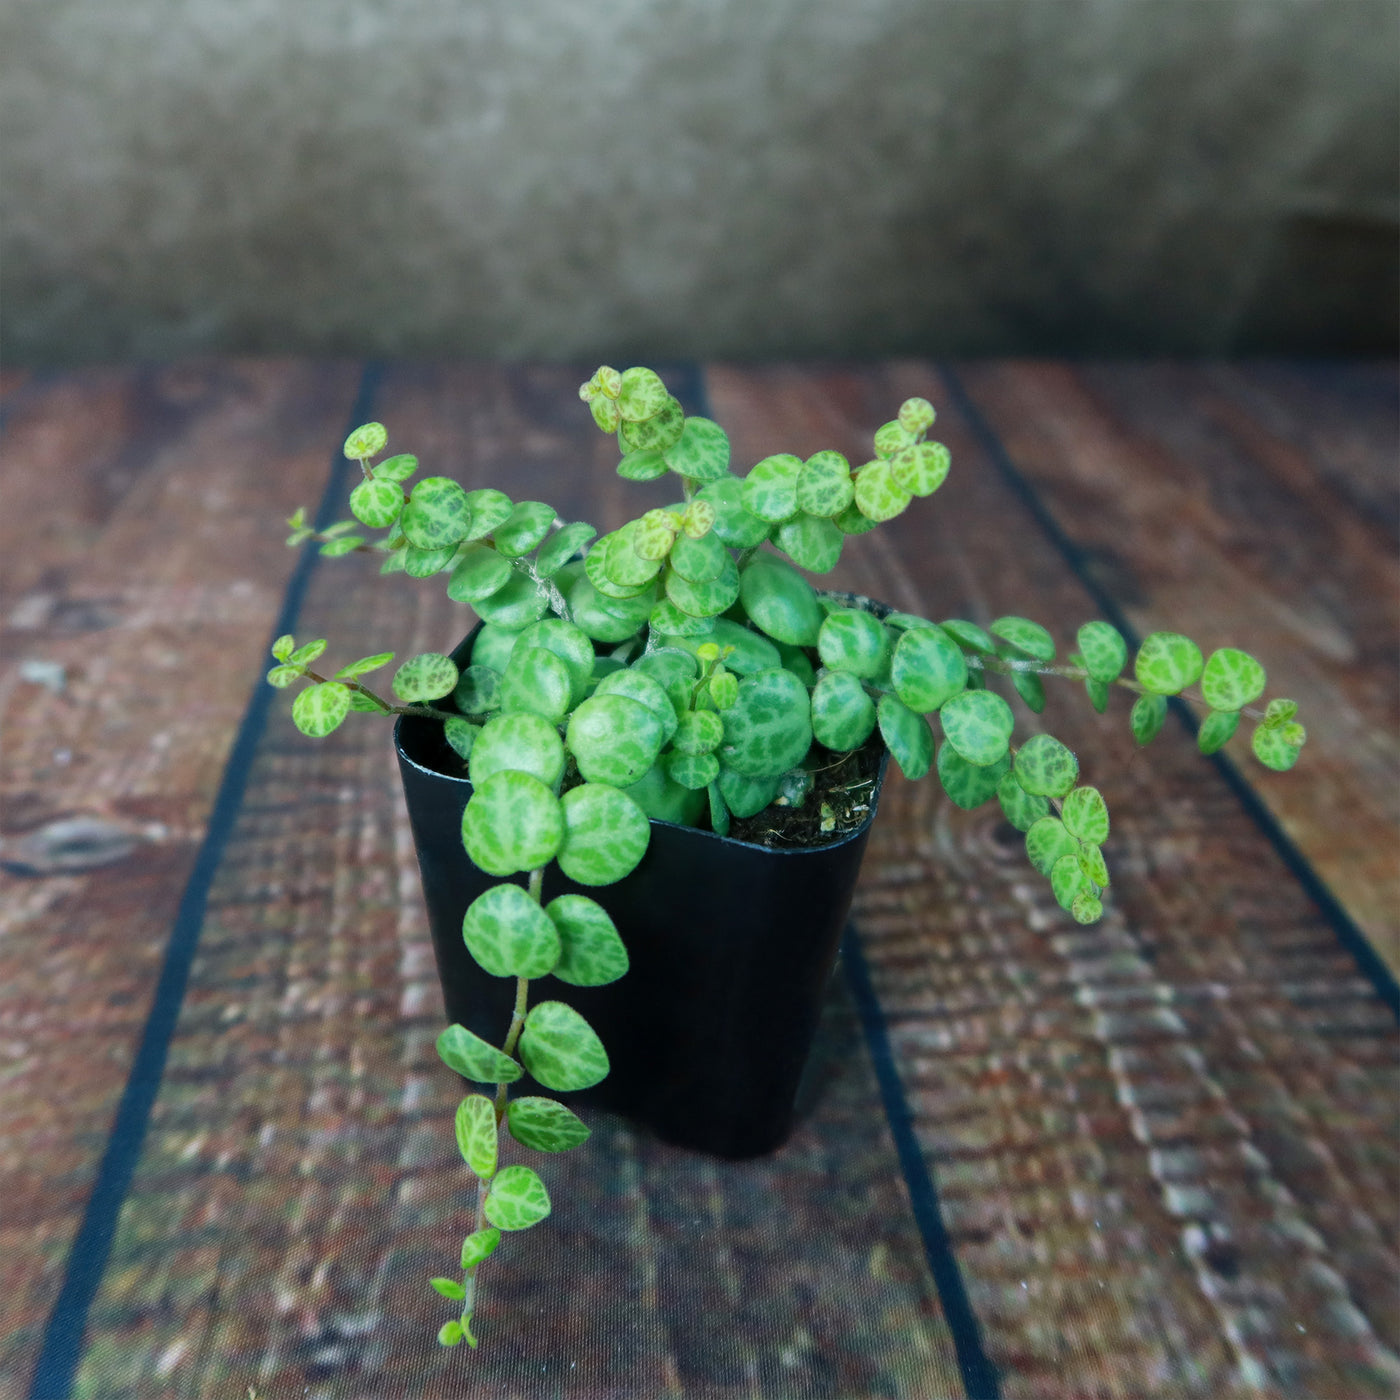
[1104, 650]
[1148, 714]
[852, 522]
[928, 669]
[606, 414]
[967, 634]
[1085, 815]
[449, 1288]
[523, 528]
[855, 642]
[1044, 766]
[478, 573]
[646, 690]
[592, 954]
[480, 1246]
[657, 433]
[768, 729]
[1275, 746]
[780, 601]
[878, 495]
[474, 1058]
[719, 810]
[570, 644]
[614, 739]
[320, 708]
[667, 620]
[376, 503]
[545, 1124]
[734, 524]
[921, 468]
[1066, 880]
[1025, 636]
[283, 676]
[641, 394]
[305, 655]
[812, 542]
[283, 647]
[1021, 808]
[427, 676]
[450, 1334]
[843, 715]
[605, 834]
[1279, 712]
[460, 735]
[1216, 729]
[700, 453]
[1092, 863]
[699, 731]
[424, 563]
[824, 485]
[1097, 691]
[1031, 689]
[512, 823]
[476, 1134]
[369, 440]
[969, 785]
[489, 509]
[1048, 841]
[517, 1198]
[605, 619]
[478, 690]
[493, 646]
[561, 1049]
[522, 741]
[892, 438]
[619, 565]
[745, 796]
[978, 724]
[645, 464]
[1167, 663]
[364, 665]
[769, 491]
[333, 549]
[705, 599]
[1086, 907]
[436, 515]
[1232, 679]
[915, 416]
[561, 547]
[360, 703]
[536, 681]
[515, 605]
[695, 771]
[906, 735]
[398, 468]
[509, 935]
[700, 560]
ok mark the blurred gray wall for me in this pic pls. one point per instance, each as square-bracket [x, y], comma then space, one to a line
[697, 177]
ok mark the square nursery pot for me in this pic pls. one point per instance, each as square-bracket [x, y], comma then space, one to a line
[731, 945]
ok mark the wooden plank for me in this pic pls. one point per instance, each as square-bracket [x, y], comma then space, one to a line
[1157, 1140]
[1251, 507]
[141, 568]
[300, 1183]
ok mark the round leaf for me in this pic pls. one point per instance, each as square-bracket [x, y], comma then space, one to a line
[479, 1246]
[641, 394]
[398, 468]
[436, 515]
[1046, 767]
[811, 541]
[620, 563]
[855, 642]
[1148, 714]
[592, 954]
[699, 560]
[705, 599]
[460, 735]
[638, 685]
[478, 690]
[475, 1059]
[824, 485]
[691, 770]
[1085, 815]
[700, 453]
[570, 644]
[366, 441]
[320, 708]
[428, 676]
[524, 742]
[927, 669]
[509, 934]
[699, 731]
[489, 509]
[906, 735]
[1232, 679]
[1086, 907]
[1167, 663]
[921, 468]
[513, 822]
[605, 834]
[1092, 863]
[780, 601]
[1275, 746]
[545, 1124]
[978, 724]
[1048, 841]
[515, 605]
[517, 1199]
[657, 433]
[1021, 808]
[1066, 880]
[843, 715]
[561, 1050]
[1216, 729]
[769, 491]
[614, 739]
[745, 796]
[768, 729]
[376, 503]
[1025, 636]
[969, 785]
[424, 563]
[644, 464]
[878, 495]
[735, 525]
[1104, 650]
[538, 681]
[476, 1134]
[561, 547]
[915, 416]
[527, 524]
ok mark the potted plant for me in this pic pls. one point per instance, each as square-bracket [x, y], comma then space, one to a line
[662, 747]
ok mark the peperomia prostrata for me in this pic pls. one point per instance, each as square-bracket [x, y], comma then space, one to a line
[678, 668]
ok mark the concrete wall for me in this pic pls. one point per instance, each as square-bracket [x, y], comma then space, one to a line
[697, 177]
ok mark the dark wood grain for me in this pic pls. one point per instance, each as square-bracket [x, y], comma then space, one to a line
[141, 560]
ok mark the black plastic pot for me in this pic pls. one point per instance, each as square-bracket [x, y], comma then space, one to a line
[731, 946]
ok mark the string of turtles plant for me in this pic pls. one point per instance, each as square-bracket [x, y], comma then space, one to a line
[675, 668]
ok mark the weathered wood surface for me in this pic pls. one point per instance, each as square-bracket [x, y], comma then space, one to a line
[1165, 1146]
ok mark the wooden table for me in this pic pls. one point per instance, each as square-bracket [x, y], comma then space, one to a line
[1154, 1157]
